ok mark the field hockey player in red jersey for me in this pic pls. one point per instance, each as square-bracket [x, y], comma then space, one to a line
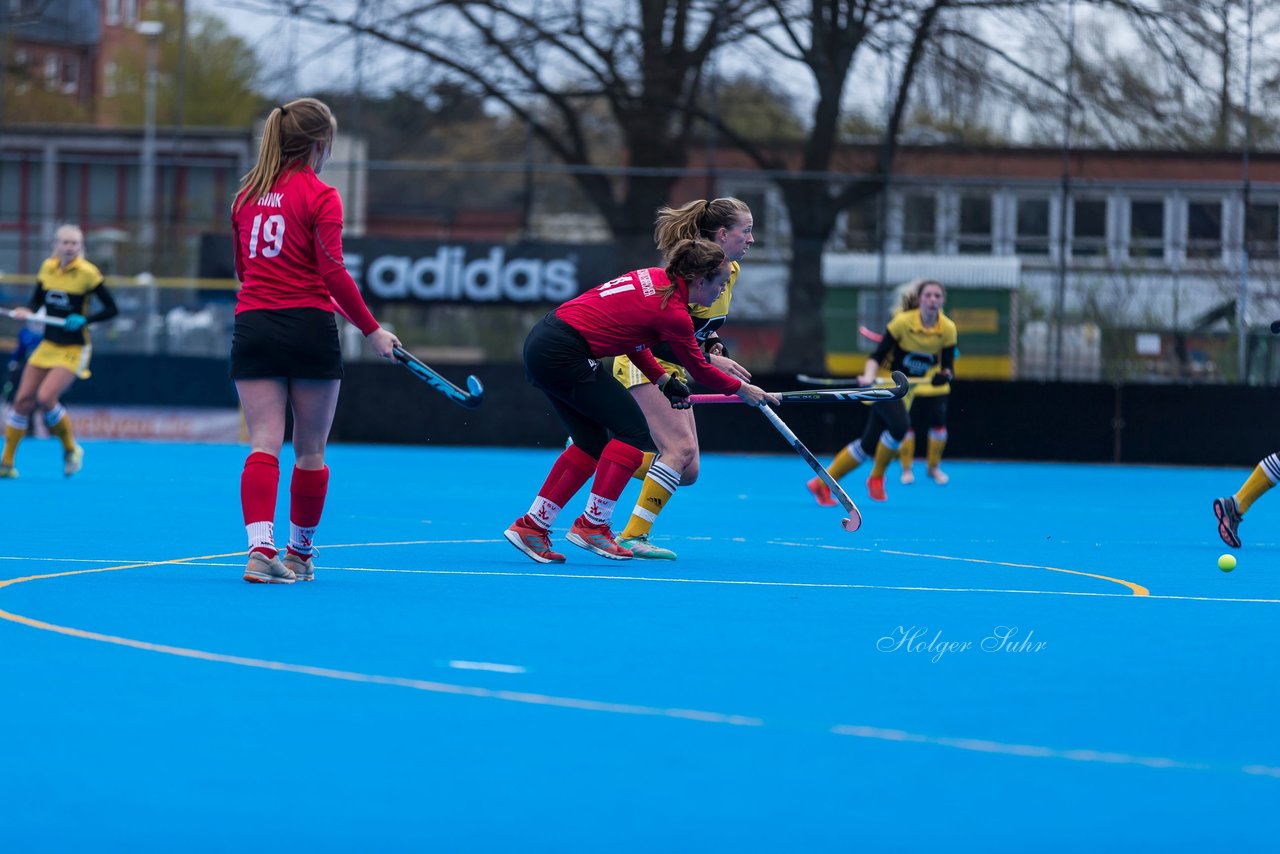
[562, 358]
[287, 232]
[728, 222]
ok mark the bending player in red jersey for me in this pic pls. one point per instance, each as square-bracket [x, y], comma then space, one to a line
[727, 222]
[287, 230]
[561, 356]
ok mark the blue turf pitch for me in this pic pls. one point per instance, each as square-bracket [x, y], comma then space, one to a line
[436, 690]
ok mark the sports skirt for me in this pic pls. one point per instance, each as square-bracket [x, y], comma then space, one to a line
[294, 343]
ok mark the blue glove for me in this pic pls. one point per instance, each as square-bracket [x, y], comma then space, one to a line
[74, 322]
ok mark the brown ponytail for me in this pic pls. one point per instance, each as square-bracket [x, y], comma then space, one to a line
[699, 218]
[288, 138]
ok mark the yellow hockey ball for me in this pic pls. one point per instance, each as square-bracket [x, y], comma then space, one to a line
[1226, 563]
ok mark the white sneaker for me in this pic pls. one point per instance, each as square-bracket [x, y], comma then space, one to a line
[304, 569]
[267, 570]
[72, 461]
[640, 547]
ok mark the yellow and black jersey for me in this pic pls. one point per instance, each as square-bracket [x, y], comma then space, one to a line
[707, 320]
[64, 291]
[919, 351]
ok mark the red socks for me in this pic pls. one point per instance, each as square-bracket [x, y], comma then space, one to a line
[572, 469]
[258, 484]
[307, 491]
[617, 462]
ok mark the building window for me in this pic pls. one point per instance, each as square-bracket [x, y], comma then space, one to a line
[70, 75]
[919, 224]
[862, 221]
[975, 225]
[113, 13]
[1204, 229]
[1262, 230]
[1146, 230]
[51, 67]
[130, 12]
[1088, 227]
[110, 79]
[1033, 227]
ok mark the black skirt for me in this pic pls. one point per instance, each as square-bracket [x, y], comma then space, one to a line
[293, 343]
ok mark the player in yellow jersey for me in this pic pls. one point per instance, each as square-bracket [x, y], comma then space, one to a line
[63, 287]
[728, 222]
[920, 341]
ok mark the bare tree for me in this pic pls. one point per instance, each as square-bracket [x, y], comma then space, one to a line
[560, 67]
[1178, 78]
[621, 83]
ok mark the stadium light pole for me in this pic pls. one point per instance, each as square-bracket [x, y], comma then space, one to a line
[151, 30]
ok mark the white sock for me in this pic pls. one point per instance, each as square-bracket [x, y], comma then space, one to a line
[544, 512]
[599, 510]
[300, 539]
[261, 536]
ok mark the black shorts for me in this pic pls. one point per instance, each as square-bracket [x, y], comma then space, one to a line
[294, 343]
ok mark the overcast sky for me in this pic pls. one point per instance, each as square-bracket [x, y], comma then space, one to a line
[298, 58]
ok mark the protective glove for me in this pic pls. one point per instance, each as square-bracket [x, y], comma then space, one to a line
[942, 377]
[677, 392]
[709, 344]
[73, 322]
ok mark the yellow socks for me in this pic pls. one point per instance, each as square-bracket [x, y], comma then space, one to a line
[934, 454]
[649, 457]
[660, 484]
[12, 436]
[907, 451]
[844, 462]
[1253, 488]
[62, 429]
[886, 450]
[884, 456]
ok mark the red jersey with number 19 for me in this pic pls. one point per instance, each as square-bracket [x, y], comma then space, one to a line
[625, 316]
[288, 250]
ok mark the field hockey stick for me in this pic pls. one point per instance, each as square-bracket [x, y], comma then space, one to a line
[870, 335]
[38, 318]
[865, 393]
[469, 399]
[838, 382]
[851, 524]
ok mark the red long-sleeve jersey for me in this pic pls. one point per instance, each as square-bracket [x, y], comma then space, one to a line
[625, 316]
[288, 250]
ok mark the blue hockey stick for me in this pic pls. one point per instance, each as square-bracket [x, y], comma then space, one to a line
[469, 399]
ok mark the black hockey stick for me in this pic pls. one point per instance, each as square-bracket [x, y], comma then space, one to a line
[854, 522]
[469, 399]
[865, 393]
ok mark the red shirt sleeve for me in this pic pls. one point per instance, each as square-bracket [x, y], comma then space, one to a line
[333, 269]
[648, 365]
[678, 332]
